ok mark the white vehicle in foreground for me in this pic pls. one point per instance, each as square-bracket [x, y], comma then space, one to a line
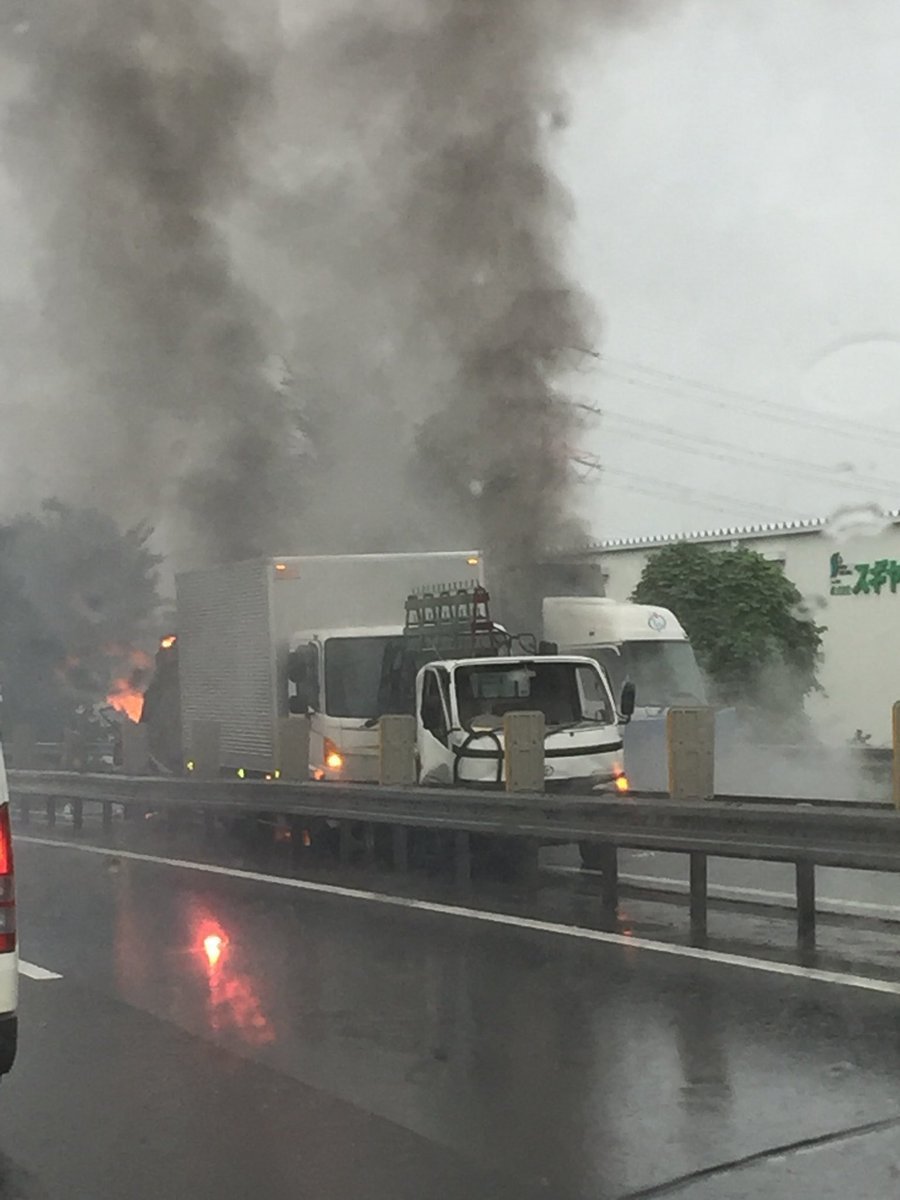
[461, 705]
[9, 955]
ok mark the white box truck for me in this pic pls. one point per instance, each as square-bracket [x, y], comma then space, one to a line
[260, 640]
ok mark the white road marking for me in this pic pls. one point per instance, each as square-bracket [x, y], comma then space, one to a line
[487, 917]
[724, 891]
[33, 972]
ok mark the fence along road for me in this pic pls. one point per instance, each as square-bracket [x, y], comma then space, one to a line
[835, 835]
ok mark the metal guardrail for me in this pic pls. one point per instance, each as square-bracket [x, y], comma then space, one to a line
[852, 836]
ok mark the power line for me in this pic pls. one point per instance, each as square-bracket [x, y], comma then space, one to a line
[705, 447]
[667, 382]
[701, 497]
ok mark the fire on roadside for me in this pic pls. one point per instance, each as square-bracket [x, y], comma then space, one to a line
[126, 695]
[126, 699]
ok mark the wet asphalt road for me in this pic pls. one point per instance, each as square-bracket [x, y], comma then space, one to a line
[222, 1037]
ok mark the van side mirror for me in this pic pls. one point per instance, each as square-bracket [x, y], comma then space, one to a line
[627, 701]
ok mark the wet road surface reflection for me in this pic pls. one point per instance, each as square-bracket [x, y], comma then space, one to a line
[548, 1067]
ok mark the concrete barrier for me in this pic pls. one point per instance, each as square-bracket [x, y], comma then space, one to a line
[135, 748]
[691, 734]
[397, 751]
[293, 747]
[523, 735]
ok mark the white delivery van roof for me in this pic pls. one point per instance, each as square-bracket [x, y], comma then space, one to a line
[576, 621]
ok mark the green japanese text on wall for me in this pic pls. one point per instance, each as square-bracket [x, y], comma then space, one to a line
[864, 579]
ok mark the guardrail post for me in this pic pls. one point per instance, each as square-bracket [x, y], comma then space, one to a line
[523, 737]
[345, 842]
[205, 748]
[107, 814]
[806, 905]
[135, 748]
[397, 751]
[691, 735]
[608, 857]
[895, 761]
[699, 897]
[77, 814]
[209, 824]
[51, 812]
[369, 844]
[400, 839]
[462, 857]
[292, 758]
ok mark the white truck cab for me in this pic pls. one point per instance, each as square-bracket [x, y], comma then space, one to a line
[460, 706]
[636, 642]
[335, 677]
[647, 647]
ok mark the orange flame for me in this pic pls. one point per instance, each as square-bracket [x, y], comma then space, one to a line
[126, 699]
[125, 696]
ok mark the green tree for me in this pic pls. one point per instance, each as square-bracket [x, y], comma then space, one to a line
[747, 621]
[78, 611]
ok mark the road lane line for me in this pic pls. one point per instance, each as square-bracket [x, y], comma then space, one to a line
[34, 972]
[727, 891]
[488, 917]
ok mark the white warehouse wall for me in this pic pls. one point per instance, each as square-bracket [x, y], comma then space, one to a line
[861, 666]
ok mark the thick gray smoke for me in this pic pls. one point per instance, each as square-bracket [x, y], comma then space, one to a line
[369, 197]
[127, 138]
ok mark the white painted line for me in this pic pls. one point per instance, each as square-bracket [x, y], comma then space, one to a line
[33, 972]
[724, 891]
[486, 917]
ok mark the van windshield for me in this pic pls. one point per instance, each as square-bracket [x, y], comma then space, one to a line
[663, 672]
[563, 691]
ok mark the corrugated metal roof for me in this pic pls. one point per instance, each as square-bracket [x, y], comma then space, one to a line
[723, 534]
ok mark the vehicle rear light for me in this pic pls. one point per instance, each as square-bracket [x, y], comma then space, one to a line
[7, 885]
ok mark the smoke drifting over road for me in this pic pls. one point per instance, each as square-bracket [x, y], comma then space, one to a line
[365, 192]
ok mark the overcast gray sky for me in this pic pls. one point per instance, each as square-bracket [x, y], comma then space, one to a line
[736, 182]
[736, 173]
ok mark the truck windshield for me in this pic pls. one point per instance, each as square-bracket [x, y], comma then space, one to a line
[663, 673]
[484, 694]
[353, 669]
